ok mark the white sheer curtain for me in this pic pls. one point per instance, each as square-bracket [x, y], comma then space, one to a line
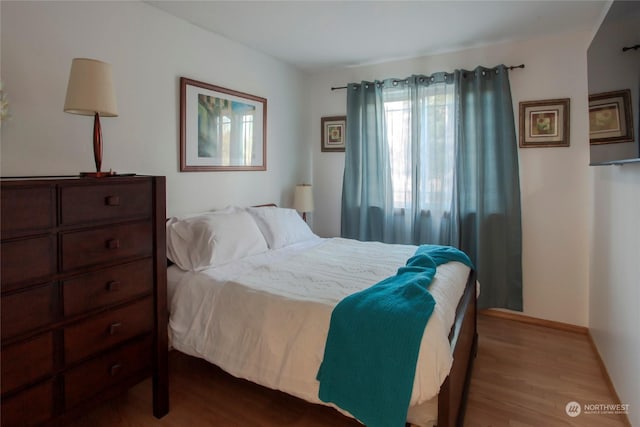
[420, 138]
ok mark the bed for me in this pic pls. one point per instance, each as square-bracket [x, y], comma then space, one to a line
[253, 290]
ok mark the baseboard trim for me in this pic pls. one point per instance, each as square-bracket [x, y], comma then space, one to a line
[605, 373]
[567, 327]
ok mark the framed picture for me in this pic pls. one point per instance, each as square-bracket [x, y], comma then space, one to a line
[544, 123]
[221, 129]
[334, 133]
[610, 117]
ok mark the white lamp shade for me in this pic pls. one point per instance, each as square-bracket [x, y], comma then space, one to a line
[90, 89]
[303, 198]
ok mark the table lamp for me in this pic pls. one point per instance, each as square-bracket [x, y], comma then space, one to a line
[90, 93]
[303, 199]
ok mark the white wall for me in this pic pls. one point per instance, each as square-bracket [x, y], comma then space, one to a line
[614, 295]
[615, 232]
[149, 50]
[555, 182]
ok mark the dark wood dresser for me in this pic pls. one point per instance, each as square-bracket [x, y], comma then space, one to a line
[83, 284]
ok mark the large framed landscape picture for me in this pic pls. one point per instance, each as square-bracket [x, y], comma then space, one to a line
[221, 129]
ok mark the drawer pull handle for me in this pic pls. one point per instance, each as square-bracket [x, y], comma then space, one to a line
[113, 243]
[114, 327]
[113, 285]
[115, 369]
[112, 201]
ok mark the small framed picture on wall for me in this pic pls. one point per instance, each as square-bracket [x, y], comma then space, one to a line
[610, 117]
[334, 133]
[544, 123]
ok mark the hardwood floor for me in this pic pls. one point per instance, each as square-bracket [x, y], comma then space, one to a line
[524, 375]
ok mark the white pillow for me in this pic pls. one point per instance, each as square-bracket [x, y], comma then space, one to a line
[209, 240]
[281, 227]
[227, 209]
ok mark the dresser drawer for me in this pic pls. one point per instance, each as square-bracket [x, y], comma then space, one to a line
[99, 245]
[27, 361]
[25, 260]
[107, 329]
[109, 286]
[83, 382]
[81, 204]
[27, 310]
[27, 210]
[31, 407]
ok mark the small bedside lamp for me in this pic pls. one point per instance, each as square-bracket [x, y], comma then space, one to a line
[90, 93]
[303, 200]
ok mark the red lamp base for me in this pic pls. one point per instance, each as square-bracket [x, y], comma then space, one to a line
[97, 151]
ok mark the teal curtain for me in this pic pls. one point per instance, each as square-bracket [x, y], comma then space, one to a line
[367, 204]
[433, 160]
[488, 185]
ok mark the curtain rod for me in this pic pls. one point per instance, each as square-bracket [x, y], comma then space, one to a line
[511, 67]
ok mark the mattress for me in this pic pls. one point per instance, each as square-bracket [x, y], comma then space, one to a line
[265, 318]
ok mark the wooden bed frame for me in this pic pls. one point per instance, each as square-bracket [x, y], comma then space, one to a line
[463, 337]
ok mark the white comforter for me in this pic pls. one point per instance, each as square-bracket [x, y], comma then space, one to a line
[265, 318]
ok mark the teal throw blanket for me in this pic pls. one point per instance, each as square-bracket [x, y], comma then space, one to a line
[374, 338]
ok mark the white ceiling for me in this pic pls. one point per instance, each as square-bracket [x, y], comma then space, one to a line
[319, 34]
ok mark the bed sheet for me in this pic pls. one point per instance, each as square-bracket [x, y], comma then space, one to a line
[265, 318]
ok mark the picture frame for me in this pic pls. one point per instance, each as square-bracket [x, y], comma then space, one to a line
[334, 133]
[544, 123]
[610, 117]
[221, 129]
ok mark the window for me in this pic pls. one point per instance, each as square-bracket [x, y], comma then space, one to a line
[427, 182]
[434, 160]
